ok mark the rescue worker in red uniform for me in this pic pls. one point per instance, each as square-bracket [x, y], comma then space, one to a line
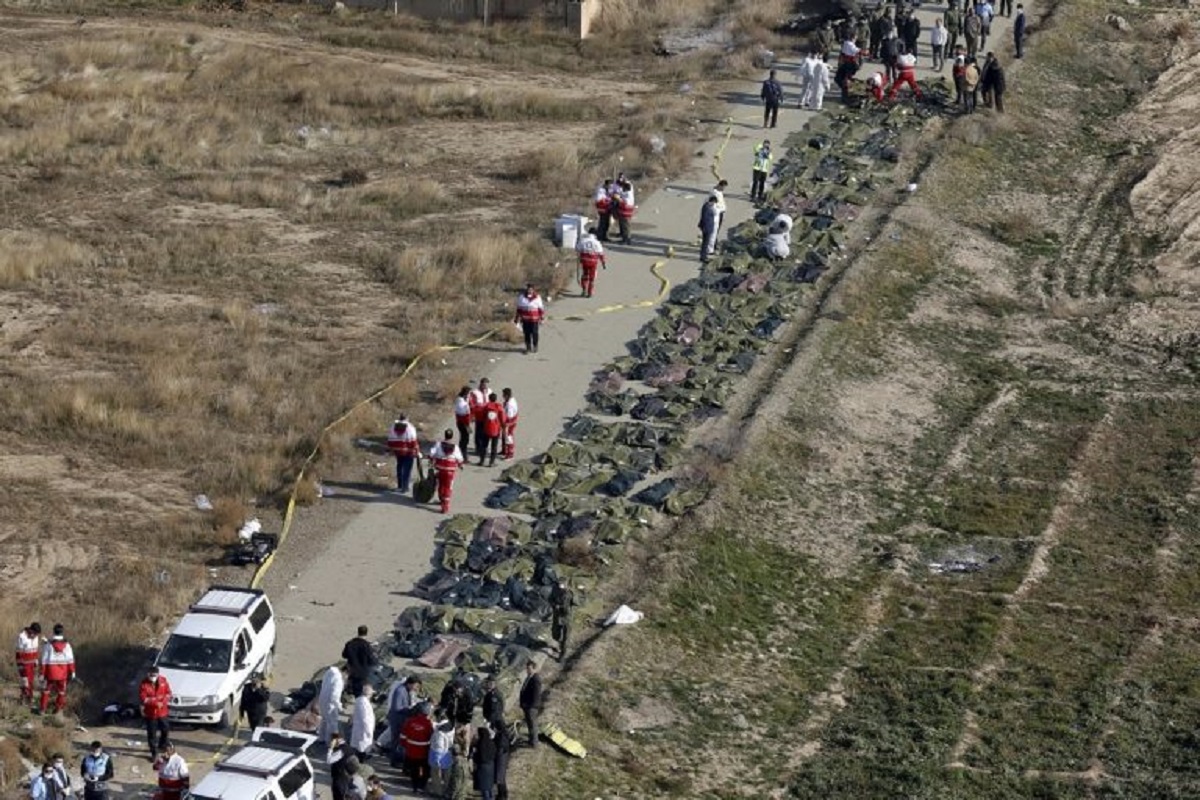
[155, 695]
[29, 649]
[493, 429]
[58, 669]
[462, 417]
[531, 312]
[173, 776]
[876, 84]
[402, 441]
[415, 737]
[511, 410]
[591, 256]
[477, 399]
[447, 459]
[603, 201]
[625, 209]
[907, 64]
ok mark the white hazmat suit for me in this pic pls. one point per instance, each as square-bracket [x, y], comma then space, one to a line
[779, 237]
[818, 85]
[329, 703]
[362, 724]
[804, 78]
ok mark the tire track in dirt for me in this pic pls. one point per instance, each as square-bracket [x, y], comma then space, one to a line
[1095, 260]
[1165, 566]
[1071, 493]
[984, 420]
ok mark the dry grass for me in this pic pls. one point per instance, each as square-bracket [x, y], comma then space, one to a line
[10, 762]
[28, 255]
[467, 269]
[215, 289]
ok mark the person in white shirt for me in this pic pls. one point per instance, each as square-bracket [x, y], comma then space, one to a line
[329, 703]
[804, 77]
[362, 725]
[937, 43]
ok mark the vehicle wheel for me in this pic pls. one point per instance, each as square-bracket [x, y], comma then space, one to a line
[227, 716]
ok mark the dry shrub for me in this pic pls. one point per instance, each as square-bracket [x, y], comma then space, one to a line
[11, 768]
[252, 192]
[99, 411]
[306, 491]
[577, 552]
[47, 740]
[555, 169]
[27, 255]
[647, 16]
[405, 198]
[245, 321]
[228, 514]
[473, 267]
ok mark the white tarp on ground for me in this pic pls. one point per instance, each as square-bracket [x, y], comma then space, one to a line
[624, 615]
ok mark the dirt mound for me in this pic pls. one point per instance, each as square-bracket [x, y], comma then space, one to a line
[1167, 200]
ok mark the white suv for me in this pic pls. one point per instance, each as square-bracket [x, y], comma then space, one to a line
[274, 766]
[226, 636]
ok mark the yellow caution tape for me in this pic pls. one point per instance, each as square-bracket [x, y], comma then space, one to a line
[664, 286]
[289, 515]
[720, 154]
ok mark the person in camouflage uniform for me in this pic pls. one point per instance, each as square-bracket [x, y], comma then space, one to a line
[952, 21]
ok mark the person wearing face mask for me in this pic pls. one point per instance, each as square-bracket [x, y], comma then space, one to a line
[58, 785]
[97, 771]
[42, 787]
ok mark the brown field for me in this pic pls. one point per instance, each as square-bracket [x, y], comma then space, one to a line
[224, 229]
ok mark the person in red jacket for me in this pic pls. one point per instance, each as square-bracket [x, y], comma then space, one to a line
[462, 417]
[447, 459]
[906, 63]
[415, 735]
[603, 201]
[493, 428]
[29, 650]
[155, 694]
[477, 399]
[402, 441]
[591, 258]
[58, 669]
[511, 410]
[531, 312]
[625, 209]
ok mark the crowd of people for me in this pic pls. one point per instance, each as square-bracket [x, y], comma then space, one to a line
[491, 419]
[891, 35]
[449, 749]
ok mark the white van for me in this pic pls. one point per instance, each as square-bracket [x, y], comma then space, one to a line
[226, 636]
[274, 766]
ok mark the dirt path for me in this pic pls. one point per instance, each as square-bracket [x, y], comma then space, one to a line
[363, 573]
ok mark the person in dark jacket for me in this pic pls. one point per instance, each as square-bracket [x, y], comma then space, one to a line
[493, 703]
[993, 83]
[772, 97]
[338, 758]
[912, 34]
[503, 742]
[256, 699]
[1019, 30]
[360, 660]
[485, 764]
[531, 700]
[456, 703]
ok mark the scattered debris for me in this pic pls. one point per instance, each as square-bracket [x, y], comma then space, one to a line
[624, 615]
[203, 503]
